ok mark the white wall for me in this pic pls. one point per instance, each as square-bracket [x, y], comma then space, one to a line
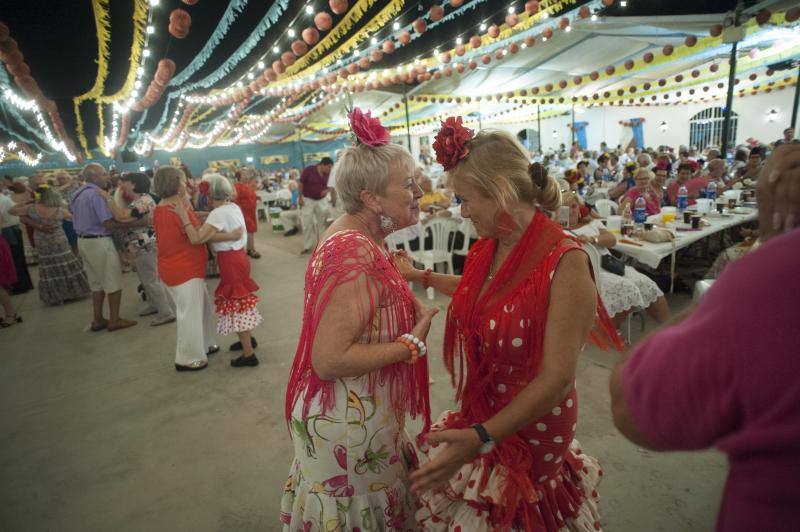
[604, 122]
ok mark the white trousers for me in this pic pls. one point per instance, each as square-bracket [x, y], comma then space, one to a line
[147, 269]
[313, 216]
[290, 219]
[196, 325]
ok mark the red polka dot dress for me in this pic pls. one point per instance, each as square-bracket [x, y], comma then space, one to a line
[539, 478]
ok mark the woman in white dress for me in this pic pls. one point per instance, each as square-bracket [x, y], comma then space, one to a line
[620, 293]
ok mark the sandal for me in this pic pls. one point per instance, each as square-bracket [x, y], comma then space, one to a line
[254, 254]
[8, 321]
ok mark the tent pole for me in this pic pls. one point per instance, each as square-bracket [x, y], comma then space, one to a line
[539, 126]
[796, 98]
[726, 123]
[480, 115]
[408, 122]
[573, 124]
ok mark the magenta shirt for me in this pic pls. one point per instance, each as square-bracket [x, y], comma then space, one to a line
[729, 377]
[651, 201]
[314, 183]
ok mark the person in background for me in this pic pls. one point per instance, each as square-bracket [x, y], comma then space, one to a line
[93, 222]
[8, 277]
[682, 389]
[615, 168]
[627, 182]
[290, 220]
[66, 186]
[235, 296]
[658, 185]
[738, 165]
[182, 268]
[663, 160]
[313, 210]
[432, 201]
[684, 178]
[643, 160]
[602, 173]
[140, 241]
[752, 169]
[717, 169]
[712, 154]
[788, 137]
[12, 232]
[247, 200]
[642, 189]
[684, 158]
[61, 275]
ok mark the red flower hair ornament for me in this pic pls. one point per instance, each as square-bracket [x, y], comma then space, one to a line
[205, 189]
[451, 142]
[368, 130]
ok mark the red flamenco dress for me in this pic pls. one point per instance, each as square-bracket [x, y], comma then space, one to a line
[8, 273]
[235, 298]
[247, 200]
[538, 479]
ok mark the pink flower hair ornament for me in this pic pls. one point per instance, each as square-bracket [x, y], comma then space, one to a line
[451, 141]
[368, 130]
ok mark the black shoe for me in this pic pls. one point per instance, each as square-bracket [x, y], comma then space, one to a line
[212, 349]
[237, 346]
[291, 232]
[194, 366]
[305, 252]
[244, 361]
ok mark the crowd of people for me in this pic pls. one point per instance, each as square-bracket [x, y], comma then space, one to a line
[519, 316]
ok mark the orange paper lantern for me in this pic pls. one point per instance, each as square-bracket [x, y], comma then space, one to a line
[323, 21]
[420, 25]
[311, 36]
[299, 48]
[532, 7]
[288, 58]
[338, 6]
[436, 12]
[475, 41]
[493, 31]
[404, 37]
[388, 46]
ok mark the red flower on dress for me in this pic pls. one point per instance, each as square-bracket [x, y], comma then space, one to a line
[451, 142]
[368, 130]
[205, 188]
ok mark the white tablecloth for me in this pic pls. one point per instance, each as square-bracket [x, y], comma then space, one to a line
[652, 254]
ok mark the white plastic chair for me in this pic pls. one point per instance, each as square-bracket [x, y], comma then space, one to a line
[606, 207]
[441, 251]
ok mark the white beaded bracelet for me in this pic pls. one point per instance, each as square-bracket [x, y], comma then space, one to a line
[423, 350]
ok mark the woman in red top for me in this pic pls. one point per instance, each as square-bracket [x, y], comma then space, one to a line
[519, 317]
[182, 267]
[247, 200]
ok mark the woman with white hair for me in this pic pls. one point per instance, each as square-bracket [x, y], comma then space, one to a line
[235, 298]
[360, 365]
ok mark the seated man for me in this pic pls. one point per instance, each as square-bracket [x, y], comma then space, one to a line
[432, 200]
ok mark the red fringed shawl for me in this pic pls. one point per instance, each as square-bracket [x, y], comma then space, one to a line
[346, 257]
[493, 348]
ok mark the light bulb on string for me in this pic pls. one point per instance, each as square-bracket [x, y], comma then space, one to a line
[483, 26]
[309, 10]
[146, 53]
[150, 30]
[290, 32]
[276, 50]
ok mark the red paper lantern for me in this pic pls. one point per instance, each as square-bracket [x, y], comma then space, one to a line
[512, 20]
[530, 40]
[763, 16]
[288, 58]
[299, 48]
[338, 6]
[486, 59]
[577, 80]
[493, 31]
[375, 56]
[460, 50]
[177, 32]
[448, 71]
[715, 30]
[456, 3]
[311, 36]
[420, 25]
[323, 21]
[563, 23]
[363, 63]
[548, 87]
[562, 84]
[532, 7]
[608, 3]
[498, 54]
[792, 14]
[26, 83]
[9, 45]
[535, 90]
[460, 68]
[352, 68]
[278, 67]
[513, 47]
[12, 58]
[610, 70]
[648, 57]
[629, 64]
[593, 75]
[190, 2]
[475, 41]
[404, 37]
[437, 74]
[668, 49]
[388, 46]
[19, 69]
[4, 33]
[436, 12]
[444, 57]
[473, 64]
[547, 33]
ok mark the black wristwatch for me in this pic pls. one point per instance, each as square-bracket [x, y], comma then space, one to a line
[486, 440]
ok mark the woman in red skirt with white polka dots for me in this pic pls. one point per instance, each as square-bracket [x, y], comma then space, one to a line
[520, 314]
[235, 298]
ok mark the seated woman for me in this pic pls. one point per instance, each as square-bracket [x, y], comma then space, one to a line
[432, 201]
[627, 182]
[620, 293]
[642, 189]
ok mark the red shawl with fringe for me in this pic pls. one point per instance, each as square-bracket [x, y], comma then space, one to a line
[347, 257]
[493, 349]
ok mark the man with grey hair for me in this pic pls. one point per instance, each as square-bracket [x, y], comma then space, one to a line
[93, 221]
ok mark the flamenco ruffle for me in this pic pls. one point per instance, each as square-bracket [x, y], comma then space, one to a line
[565, 501]
[238, 290]
[306, 506]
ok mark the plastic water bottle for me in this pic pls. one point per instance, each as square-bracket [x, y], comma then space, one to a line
[711, 191]
[639, 213]
[683, 198]
[627, 221]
